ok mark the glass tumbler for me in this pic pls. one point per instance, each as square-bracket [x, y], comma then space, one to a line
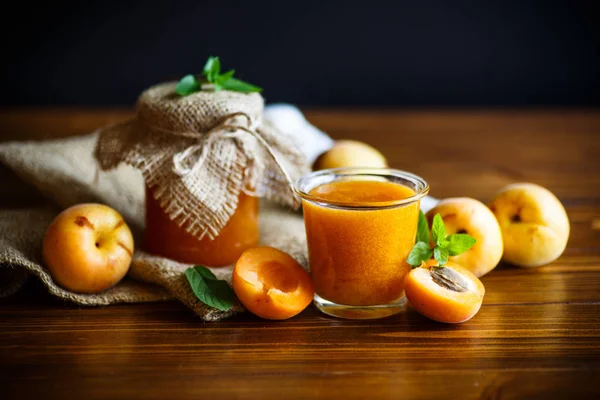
[358, 249]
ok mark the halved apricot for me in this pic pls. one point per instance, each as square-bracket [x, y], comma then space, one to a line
[450, 294]
[271, 284]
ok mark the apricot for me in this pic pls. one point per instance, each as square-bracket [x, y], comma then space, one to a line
[88, 248]
[470, 216]
[271, 284]
[535, 226]
[350, 153]
[450, 294]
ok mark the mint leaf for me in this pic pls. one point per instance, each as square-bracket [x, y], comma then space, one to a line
[221, 79]
[187, 85]
[438, 230]
[213, 80]
[212, 69]
[204, 272]
[237, 85]
[208, 289]
[422, 229]
[459, 243]
[419, 253]
[440, 254]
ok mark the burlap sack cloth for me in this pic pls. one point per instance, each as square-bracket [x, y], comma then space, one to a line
[167, 149]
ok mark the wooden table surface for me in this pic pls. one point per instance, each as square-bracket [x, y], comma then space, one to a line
[536, 336]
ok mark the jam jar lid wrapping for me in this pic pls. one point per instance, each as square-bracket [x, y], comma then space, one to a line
[198, 153]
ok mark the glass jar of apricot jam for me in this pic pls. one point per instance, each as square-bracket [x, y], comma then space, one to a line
[361, 225]
[166, 238]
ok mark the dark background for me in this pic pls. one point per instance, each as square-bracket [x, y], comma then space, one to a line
[419, 53]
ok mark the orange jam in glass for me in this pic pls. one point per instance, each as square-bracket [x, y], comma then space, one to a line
[360, 228]
[164, 237]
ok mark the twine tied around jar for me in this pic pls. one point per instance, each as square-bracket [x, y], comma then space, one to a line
[197, 153]
[226, 129]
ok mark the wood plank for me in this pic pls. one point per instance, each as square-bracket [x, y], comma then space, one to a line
[161, 347]
[536, 336]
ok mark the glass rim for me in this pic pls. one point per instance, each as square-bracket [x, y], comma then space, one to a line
[363, 171]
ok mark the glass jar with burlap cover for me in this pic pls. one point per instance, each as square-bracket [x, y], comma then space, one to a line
[201, 153]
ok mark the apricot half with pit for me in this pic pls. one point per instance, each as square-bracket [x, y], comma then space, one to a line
[271, 284]
[450, 294]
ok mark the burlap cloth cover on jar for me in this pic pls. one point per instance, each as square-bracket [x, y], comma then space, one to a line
[199, 151]
[65, 171]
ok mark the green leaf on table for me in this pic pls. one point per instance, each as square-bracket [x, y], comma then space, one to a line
[441, 255]
[438, 230]
[459, 243]
[204, 272]
[237, 85]
[422, 229]
[419, 254]
[210, 290]
[187, 85]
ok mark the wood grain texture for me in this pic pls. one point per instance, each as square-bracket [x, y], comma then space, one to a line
[537, 335]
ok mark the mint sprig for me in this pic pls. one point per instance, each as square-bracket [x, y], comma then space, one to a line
[187, 85]
[212, 80]
[423, 229]
[421, 252]
[444, 246]
[438, 230]
[210, 290]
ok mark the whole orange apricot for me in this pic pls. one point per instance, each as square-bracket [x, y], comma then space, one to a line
[88, 248]
[535, 226]
[470, 216]
[271, 284]
[450, 294]
[350, 153]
